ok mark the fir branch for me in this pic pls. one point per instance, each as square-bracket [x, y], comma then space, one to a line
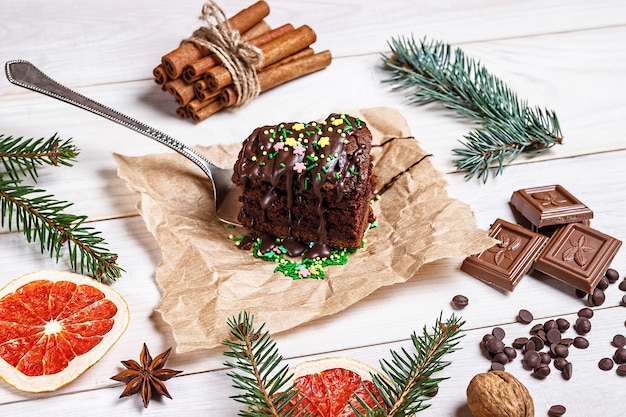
[257, 359]
[433, 71]
[40, 217]
[409, 376]
[21, 156]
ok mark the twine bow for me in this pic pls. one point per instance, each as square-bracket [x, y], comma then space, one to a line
[239, 57]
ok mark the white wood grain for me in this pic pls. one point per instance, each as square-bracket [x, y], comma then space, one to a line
[566, 55]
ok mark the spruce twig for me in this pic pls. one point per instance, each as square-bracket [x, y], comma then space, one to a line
[261, 376]
[21, 157]
[39, 216]
[410, 378]
[433, 71]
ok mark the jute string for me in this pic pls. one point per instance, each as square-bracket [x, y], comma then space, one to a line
[239, 57]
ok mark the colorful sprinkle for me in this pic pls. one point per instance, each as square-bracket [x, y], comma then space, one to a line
[298, 149]
[299, 167]
[324, 141]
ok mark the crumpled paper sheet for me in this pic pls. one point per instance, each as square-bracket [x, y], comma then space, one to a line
[205, 279]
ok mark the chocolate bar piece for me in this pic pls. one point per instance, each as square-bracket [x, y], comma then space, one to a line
[504, 264]
[550, 205]
[578, 255]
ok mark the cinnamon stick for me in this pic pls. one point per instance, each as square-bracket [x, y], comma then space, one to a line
[197, 104]
[183, 93]
[287, 44]
[256, 30]
[302, 54]
[160, 76]
[212, 108]
[290, 71]
[249, 17]
[283, 46]
[174, 62]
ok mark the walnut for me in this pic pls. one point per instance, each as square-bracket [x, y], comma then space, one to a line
[498, 394]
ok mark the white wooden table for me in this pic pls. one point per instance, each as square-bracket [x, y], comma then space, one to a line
[564, 55]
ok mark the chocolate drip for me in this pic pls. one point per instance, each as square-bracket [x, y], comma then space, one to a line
[393, 180]
[383, 143]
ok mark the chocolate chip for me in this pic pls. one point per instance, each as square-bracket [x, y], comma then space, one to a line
[559, 363]
[541, 371]
[620, 356]
[581, 342]
[567, 341]
[619, 340]
[553, 336]
[582, 325]
[585, 312]
[580, 293]
[525, 317]
[498, 332]
[550, 324]
[605, 364]
[539, 344]
[559, 350]
[531, 360]
[494, 345]
[603, 284]
[622, 285]
[566, 372]
[535, 329]
[510, 352]
[530, 346]
[500, 357]
[596, 298]
[460, 301]
[623, 302]
[545, 357]
[621, 370]
[612, 275]
[556, 411]
[562, 324]
[520, 342]
[496, 366]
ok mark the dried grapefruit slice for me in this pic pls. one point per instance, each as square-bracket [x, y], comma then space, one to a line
[331, 386]
[54, 325]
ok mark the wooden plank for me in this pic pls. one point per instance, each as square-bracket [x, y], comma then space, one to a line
[121, 41]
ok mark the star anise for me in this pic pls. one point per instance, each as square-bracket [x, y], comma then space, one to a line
[146, 377]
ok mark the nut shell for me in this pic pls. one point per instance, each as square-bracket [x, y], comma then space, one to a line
[499, 394]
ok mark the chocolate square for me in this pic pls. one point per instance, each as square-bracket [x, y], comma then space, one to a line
[550, 205]
[578, 255]
[504, 264]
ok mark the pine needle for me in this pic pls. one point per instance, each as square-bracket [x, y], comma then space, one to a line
[41, 217]
[433, 71]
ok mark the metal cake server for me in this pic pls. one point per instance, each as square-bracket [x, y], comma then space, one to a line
[226, 194]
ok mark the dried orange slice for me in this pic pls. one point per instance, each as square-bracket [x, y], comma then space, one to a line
[54, 325]
[330, 387]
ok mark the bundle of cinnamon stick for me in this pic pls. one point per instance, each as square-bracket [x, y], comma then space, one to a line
[202, 86]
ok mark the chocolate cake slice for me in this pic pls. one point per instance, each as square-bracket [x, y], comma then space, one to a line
[308, 182]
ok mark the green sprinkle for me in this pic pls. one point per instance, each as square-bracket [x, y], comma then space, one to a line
[306, 183]
[310, 167]
[319, 176]
[337, 175]
[282, 164]
[325, 169]
[262, 163]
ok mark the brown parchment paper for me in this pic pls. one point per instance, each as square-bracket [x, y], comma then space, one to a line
[205, 279]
